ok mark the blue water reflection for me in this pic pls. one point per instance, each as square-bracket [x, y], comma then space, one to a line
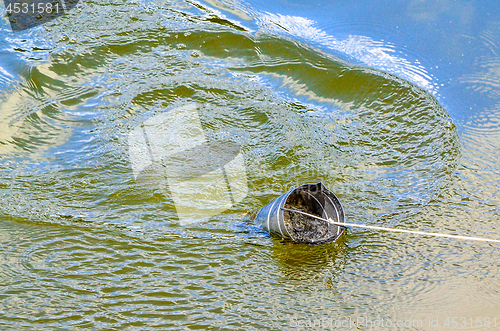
[75, 227]
[448, 47]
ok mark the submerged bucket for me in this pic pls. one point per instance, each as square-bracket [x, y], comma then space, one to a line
[313, 199]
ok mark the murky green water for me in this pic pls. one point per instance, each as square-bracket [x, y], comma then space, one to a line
[85, 246]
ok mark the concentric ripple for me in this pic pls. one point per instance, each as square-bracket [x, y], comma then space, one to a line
[85, 246]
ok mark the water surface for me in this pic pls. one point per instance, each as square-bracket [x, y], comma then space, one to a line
[403, 129]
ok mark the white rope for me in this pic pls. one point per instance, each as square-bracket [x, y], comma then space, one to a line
[393, 230]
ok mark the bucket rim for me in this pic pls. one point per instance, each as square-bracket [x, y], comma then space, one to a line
[339, 211]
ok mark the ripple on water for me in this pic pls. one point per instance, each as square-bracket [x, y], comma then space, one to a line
[369, 128]
[104, 251]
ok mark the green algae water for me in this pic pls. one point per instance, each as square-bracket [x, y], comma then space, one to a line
[85, 246]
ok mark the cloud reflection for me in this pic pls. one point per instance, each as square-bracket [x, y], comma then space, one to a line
[376, 54]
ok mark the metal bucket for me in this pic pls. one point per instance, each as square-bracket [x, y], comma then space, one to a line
[314, 199]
